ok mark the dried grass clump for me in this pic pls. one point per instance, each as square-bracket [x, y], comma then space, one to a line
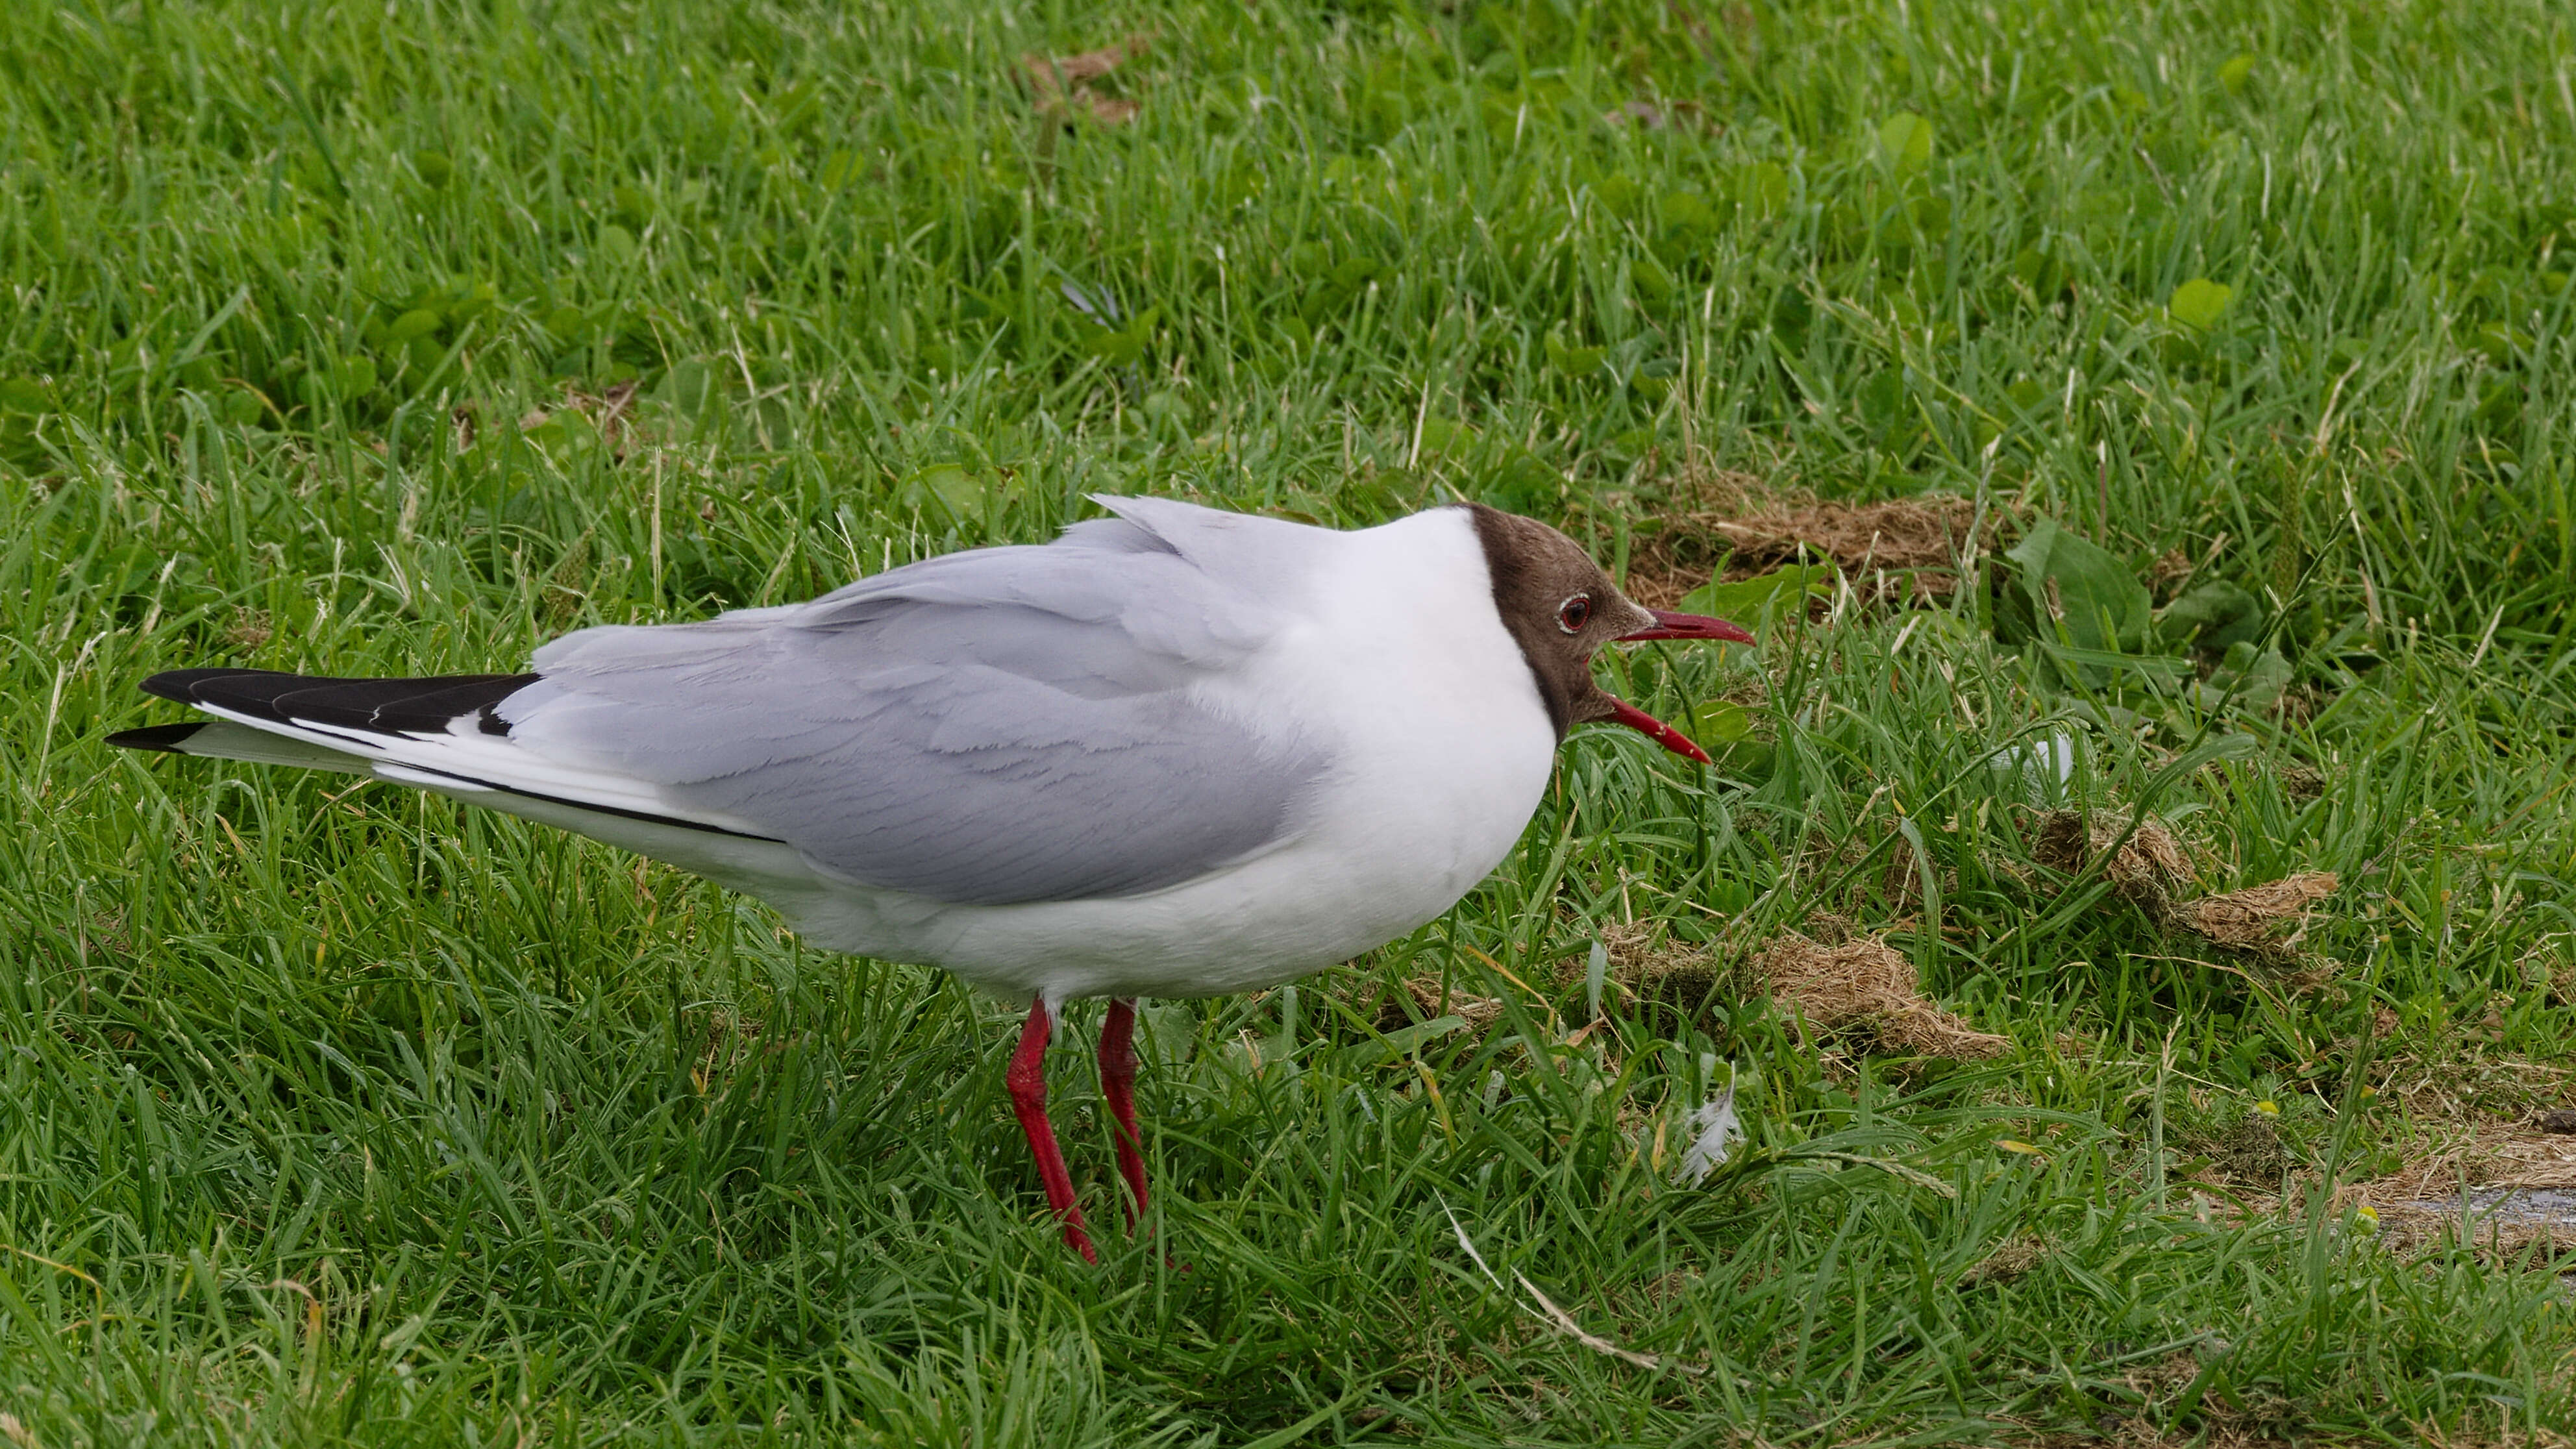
[2249, 1154]
[2151, 869]
[2006, 1263]
[1865, 984]
[1922, 534]
[2419, 1206]
[1734, 517]
[1478, 1012]
[1657, 974]
[2150, 866]
[2250, 920]
[1062, 85]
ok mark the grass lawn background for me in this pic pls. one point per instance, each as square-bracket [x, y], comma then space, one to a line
[361, 338]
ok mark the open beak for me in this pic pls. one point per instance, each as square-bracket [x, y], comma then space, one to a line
[1656, 730]
[1687, 626]
[1673, 626]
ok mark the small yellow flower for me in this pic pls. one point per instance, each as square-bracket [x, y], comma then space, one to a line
[2268, 1108]
[2367, 1217]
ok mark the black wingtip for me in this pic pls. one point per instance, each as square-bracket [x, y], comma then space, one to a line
[181, 684]
[382, 706]
[165, 738]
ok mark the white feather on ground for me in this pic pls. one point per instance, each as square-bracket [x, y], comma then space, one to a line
[1715, 1127]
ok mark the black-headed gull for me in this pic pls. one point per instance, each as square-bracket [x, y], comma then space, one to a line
[1177, 752]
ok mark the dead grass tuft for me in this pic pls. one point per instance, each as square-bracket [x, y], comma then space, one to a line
[1864, 984]
[248, 628]
[1423, 993]
[1062, 85]
[2419, 1205]
[1658, 974]
[2006, 1263]
[2152, 867]
[2249, 1154]
[2250, 920]
[1730, 523]
[610, 413]
[2149, 868]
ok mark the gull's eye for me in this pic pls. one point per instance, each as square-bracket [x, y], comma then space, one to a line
[1574, 613]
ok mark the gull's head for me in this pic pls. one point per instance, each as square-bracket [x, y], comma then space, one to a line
[1561, 608]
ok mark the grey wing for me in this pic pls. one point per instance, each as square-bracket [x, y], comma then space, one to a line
[988, 728]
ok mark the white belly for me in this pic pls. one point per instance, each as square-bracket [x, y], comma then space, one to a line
[1335, 893]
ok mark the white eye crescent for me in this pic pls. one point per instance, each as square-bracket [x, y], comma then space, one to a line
[1574, 613]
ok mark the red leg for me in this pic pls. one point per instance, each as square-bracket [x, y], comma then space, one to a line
[1027, 1079]
[1118, 1083]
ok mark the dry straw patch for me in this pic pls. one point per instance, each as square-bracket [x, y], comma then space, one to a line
[2480, 1154]
[2148, 868]
[2249, 920]
[2213, 1433]
[1428, 1004]
[2151, 869]
[1864, 984]
[1753, 529]
[1062, 85]
[1840, 982]
[2005, 1263]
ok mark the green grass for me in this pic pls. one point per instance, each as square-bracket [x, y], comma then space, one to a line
[331, 1115]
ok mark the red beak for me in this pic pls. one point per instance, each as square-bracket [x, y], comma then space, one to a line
[1658, 731]
[1674, 626]
[1687, 626]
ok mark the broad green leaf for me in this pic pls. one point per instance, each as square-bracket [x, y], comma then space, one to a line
[1520, 482]
[2041, 271]
[947, 485]
[2213, 616]
[1654, 380]
[2200, 302]
[1651, 280]
[2246, 679]
[2237, 70]
[1118, 349]
[1762, 188]
[1574, 361]
[1715, 722]
[1905, 141]
[2078, 593]
[1442, 436]
[1686, 211]
[418, 322]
